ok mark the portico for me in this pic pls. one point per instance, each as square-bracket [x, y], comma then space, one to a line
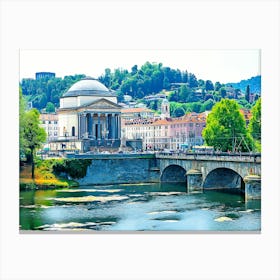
[98, 126]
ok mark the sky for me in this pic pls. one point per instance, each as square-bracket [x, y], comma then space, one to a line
[215, 65]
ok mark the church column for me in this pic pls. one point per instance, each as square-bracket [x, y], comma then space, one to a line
[110, 126]
[89, 126]
[119, 125]
[92, 125]
[79, 125]
[99, 130]
[83, 122]
[116, 126]
[113, 124]
[106, 126]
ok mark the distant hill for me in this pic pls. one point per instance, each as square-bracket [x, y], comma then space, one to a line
[254, 83]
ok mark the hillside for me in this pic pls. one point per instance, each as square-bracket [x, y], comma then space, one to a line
[145, 84]
[254, 84]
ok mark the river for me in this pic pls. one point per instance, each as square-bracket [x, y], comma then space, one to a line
[142, 207]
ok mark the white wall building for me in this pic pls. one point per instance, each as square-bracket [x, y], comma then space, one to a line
[50, 123]
[89, 117]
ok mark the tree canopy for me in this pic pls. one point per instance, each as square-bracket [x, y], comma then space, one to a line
[255, 124]
[226, 128]
[50, 107]
[139, 82]
[34, 135]
[22, 106]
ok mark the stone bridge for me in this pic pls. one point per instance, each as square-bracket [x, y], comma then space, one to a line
[213, 171]
[199, 171]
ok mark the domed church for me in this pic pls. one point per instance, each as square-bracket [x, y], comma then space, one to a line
[89, 116]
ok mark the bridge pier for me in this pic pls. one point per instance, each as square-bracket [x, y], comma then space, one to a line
[252, 187]
[194, 181]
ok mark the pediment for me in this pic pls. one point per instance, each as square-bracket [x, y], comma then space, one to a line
[102, 104]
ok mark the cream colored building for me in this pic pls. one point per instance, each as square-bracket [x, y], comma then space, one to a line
[89, 117]
[50, 123]
[166, 133]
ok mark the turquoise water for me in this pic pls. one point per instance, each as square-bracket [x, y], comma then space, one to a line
[143, 207]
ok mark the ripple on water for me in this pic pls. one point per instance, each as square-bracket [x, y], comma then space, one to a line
[223, 219]
[167, 219]
[91, 190]
[75, 226]
[246, 211]
[91, 198]
[164, 212]
[165, 193]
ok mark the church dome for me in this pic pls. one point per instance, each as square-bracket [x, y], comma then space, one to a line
[87, 86]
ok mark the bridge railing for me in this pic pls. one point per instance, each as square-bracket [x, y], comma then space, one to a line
[215, 156]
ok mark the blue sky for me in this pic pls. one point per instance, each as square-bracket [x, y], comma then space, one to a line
[216, 65]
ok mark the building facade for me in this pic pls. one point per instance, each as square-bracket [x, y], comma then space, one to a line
[187, 130]
[42, 75]
[165, 132]
[134, 113]
[50, 123]
[89, 117]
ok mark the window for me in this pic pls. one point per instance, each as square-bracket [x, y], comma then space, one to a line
[73, 130]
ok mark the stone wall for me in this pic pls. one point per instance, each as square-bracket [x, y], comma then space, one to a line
[120, 170]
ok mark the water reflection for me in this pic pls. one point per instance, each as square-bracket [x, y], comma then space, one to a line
[142, 207]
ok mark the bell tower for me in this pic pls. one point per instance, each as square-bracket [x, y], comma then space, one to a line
[165, 109]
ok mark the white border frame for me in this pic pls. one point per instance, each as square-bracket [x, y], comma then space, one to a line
[141, 25]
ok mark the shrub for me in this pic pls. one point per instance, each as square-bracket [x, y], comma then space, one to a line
[75, 168]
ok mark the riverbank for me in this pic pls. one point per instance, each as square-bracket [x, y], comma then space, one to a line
[44, 178]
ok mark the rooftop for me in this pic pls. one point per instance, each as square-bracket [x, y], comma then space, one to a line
[48, 117]
[135, 110]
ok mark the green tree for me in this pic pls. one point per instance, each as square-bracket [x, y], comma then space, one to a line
[34, 135]
[192, 81]
[217, 86]
[166, 83]
[254, 126]
[173, 107]
[209, 85]
[223, 92]
[22, 106]
[201, 83]
[50, 107]
[226, 128]
[174, 96]
[179, 112]
[196, 106]
[184, 93]
[207, 105]
[247, 93]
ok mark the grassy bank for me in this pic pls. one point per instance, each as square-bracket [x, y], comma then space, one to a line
[44, 177]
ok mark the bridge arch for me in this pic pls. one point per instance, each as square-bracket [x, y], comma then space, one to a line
[223, 178]
[173, 173]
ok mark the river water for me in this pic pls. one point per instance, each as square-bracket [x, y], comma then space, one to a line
[142, 207]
